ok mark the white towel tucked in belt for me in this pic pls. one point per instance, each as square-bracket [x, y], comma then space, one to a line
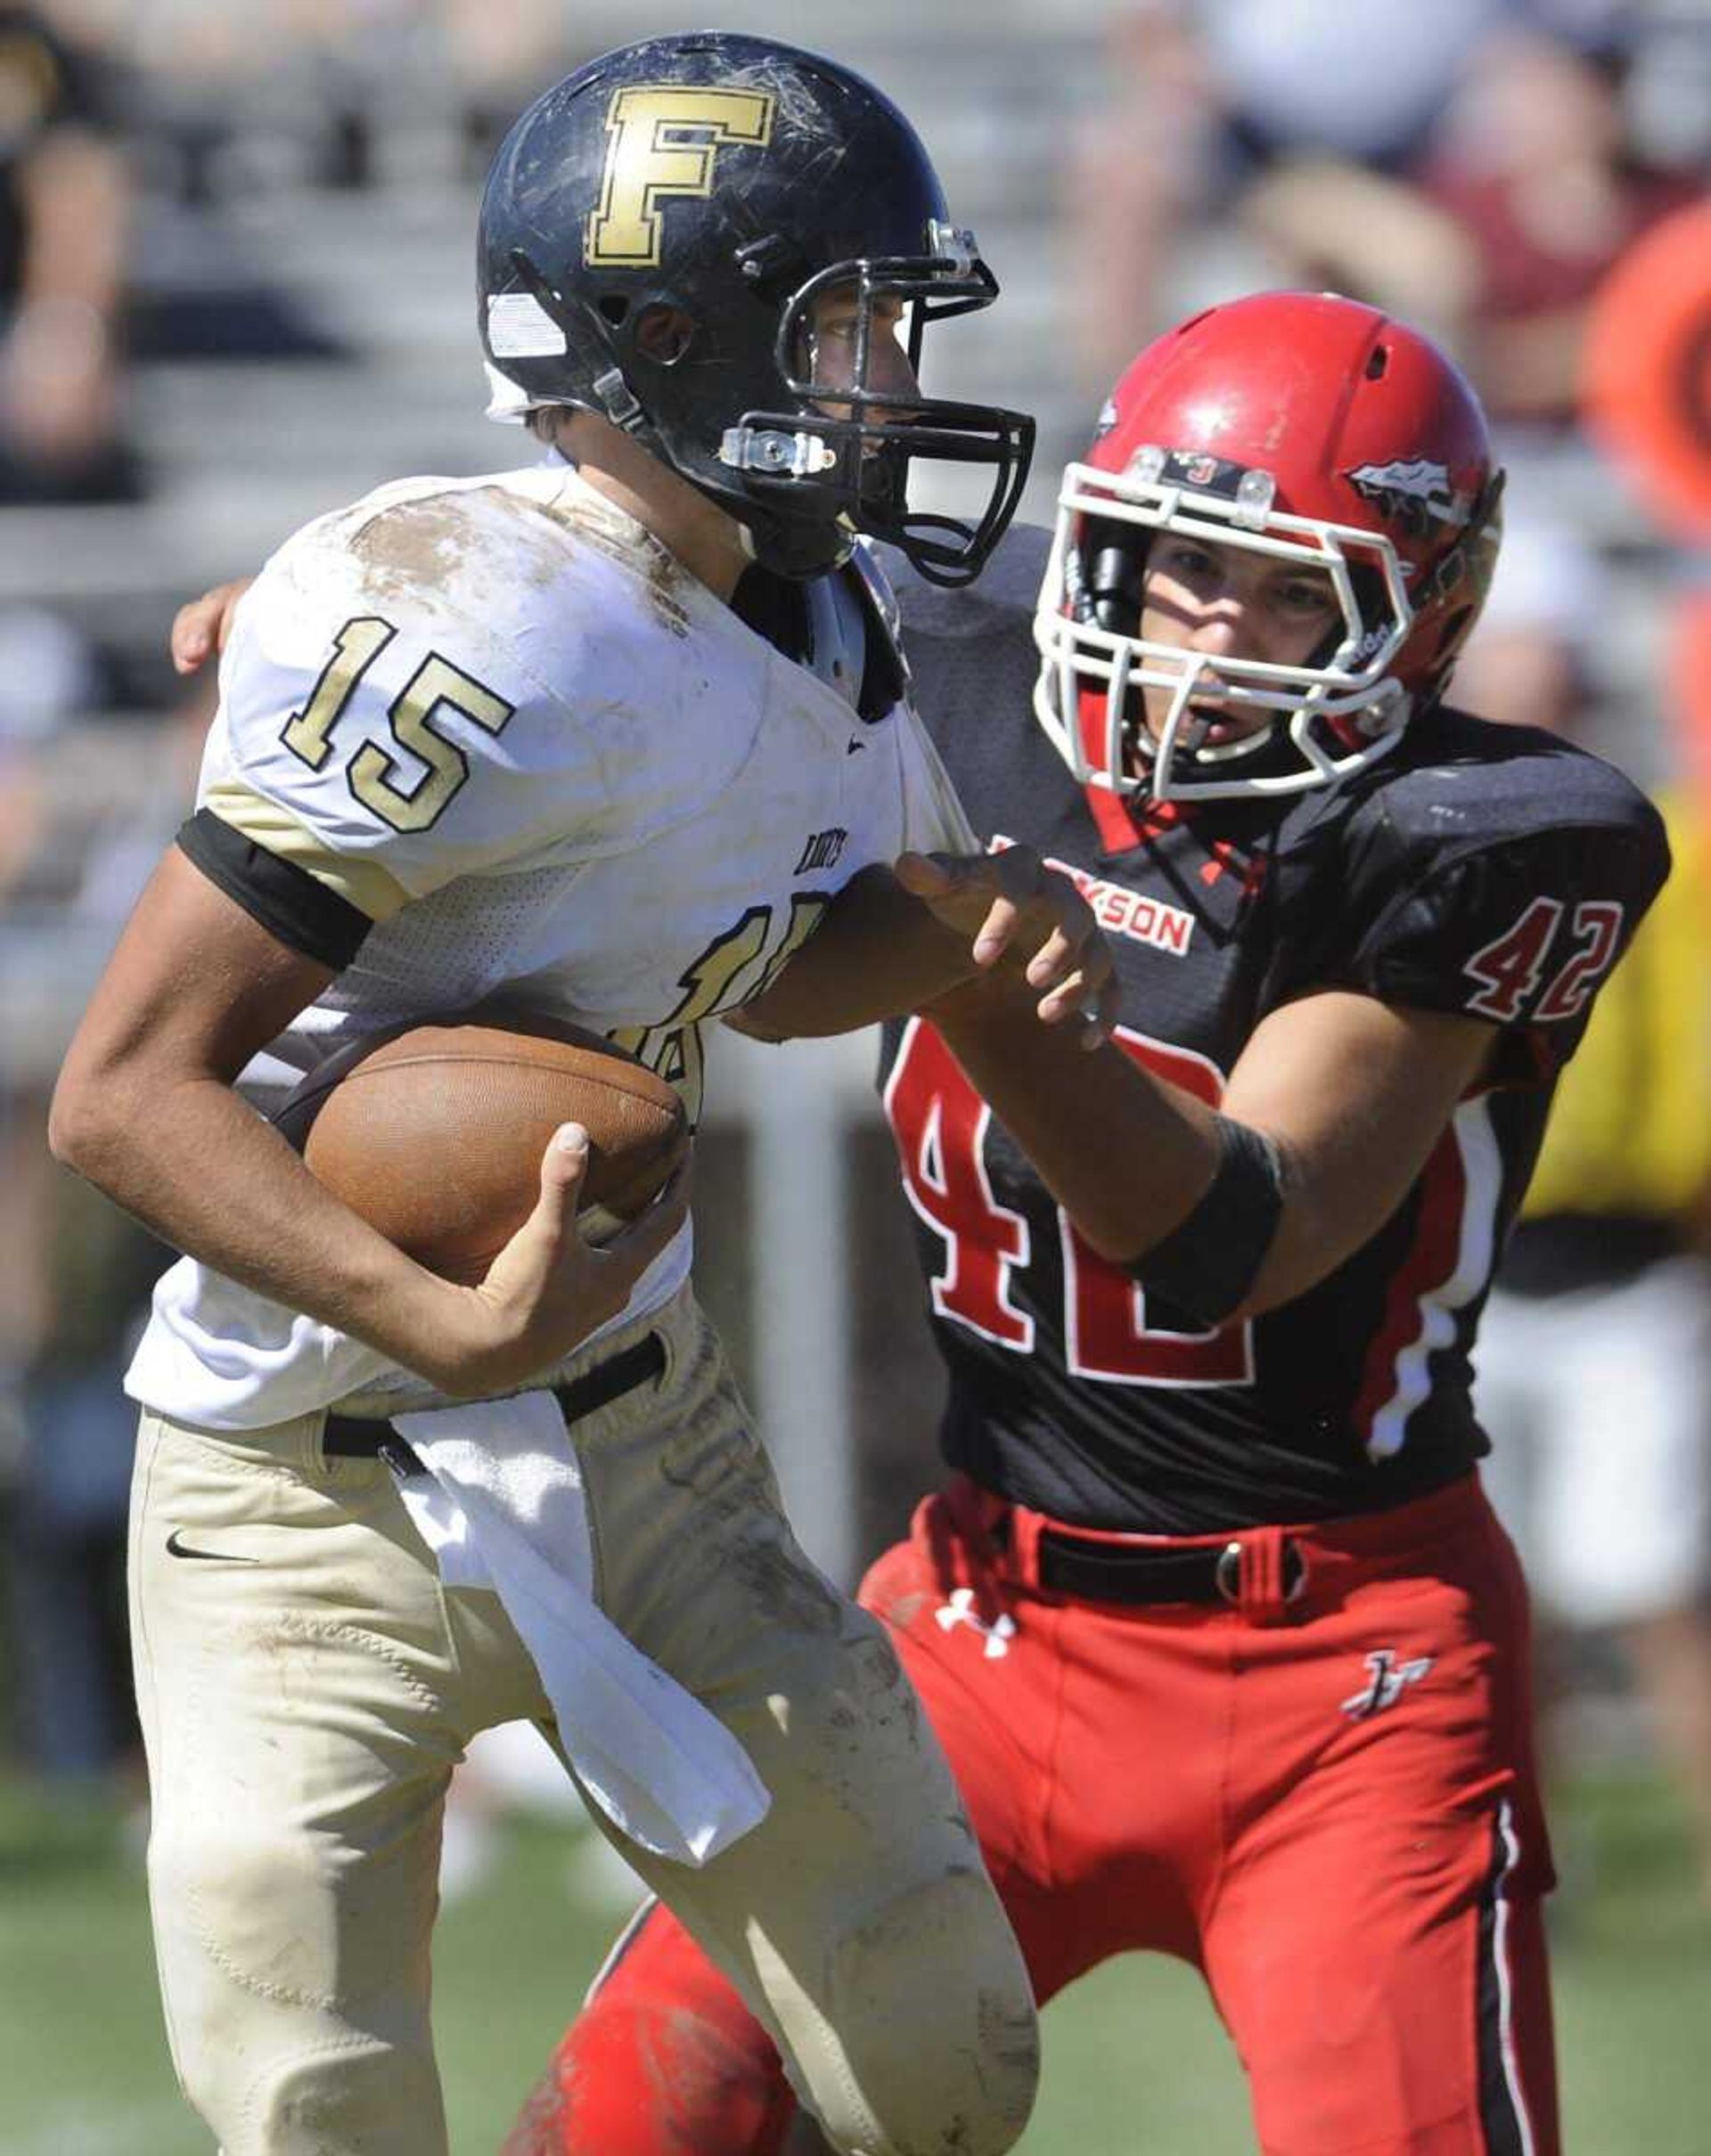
[502, 1507]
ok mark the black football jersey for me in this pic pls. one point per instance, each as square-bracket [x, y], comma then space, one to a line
[1478, 869]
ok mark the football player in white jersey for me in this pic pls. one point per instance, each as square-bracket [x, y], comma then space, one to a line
[619, 732]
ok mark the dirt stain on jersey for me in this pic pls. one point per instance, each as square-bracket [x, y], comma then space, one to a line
[481, 536]
[425, 542]
[607, 531]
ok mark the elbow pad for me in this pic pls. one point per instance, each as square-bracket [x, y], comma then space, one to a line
[1209, 1261]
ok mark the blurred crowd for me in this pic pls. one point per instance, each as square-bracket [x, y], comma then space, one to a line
[1525, 179]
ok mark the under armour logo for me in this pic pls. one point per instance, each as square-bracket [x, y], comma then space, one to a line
[960, 1610]
[1389, 1678]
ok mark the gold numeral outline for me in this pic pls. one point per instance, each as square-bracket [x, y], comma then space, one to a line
[371, 771]
[672, 1048]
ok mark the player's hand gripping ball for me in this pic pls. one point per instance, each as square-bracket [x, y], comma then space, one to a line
[434, 1134]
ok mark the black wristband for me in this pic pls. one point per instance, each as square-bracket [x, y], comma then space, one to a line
[1208, 1262]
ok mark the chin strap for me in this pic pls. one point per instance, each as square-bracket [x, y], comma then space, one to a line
[797, 551]
[621, 403]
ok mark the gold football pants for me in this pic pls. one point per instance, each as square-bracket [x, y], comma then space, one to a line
[307, 1685]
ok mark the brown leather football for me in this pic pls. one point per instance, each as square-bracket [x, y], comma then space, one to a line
[434, 1133]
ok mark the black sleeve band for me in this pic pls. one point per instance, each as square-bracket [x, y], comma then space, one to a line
[1208, 1262]
[287, 901]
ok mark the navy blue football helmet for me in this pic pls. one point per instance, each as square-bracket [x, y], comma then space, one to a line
[655, 234]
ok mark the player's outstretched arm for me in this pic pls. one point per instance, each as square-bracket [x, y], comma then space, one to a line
[1357, 1095]
[892, 942]
[1350, 1095]
[145, 1109]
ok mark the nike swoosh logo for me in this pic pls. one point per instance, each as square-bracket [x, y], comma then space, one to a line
[853, 748]
[177, 1547]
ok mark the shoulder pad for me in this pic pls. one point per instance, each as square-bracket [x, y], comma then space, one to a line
[865, 559]
[1499, 873]
[885, 671]
[1456, 782]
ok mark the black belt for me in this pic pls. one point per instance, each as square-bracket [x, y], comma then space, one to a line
[360, 1437]
[1120, 1571]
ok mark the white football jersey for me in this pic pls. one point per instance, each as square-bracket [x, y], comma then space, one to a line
[500, 719]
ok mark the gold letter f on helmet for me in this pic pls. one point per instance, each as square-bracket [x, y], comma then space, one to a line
[661, 140]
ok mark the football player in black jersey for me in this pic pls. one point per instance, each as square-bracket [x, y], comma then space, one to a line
[1227, 1650]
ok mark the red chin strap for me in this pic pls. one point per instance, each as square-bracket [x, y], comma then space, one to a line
[1120, 825]
[1346, 727]
[1123, 821]
[1090, 721]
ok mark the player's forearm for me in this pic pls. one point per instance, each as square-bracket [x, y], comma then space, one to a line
[190, 1160]
[878, 954]
[76, 190]
[1125, 1155]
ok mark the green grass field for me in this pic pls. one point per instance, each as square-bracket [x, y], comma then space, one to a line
[1136, 2065]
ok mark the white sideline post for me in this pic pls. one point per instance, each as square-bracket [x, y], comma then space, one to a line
[797, 1102]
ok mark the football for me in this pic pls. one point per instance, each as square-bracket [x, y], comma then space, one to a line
[434, 1133]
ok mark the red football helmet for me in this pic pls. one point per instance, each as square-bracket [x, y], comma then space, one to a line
[1307, 427]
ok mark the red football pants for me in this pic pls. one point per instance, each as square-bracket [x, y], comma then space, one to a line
[1328, 1805]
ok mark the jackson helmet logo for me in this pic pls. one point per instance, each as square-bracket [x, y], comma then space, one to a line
[1414, 490]
[1199, 470]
